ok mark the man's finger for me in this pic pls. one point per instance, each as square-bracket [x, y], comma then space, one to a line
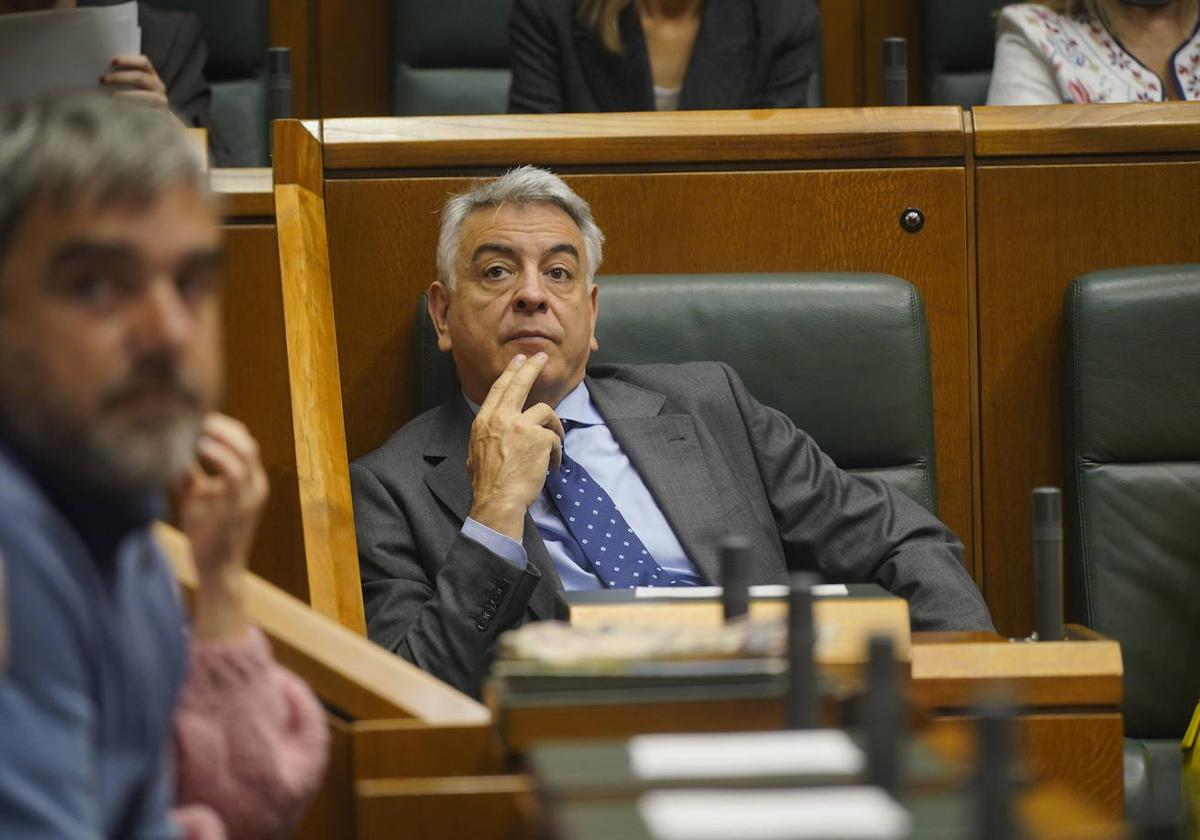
[220, 460]
[159, 99]
[233, 433]
[133, 61]
[544, 415]
[134, 79]
[496, 392]
[522, 381]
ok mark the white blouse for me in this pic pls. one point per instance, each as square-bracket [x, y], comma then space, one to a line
[1045, 58]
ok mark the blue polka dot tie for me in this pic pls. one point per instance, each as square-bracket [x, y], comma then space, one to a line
[616, 556]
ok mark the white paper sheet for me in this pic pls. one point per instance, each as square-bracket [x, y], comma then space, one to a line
[812, 752]
[766, 590]
[63, 49]
[849, 813]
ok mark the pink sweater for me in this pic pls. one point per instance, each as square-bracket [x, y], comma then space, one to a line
[250, 743]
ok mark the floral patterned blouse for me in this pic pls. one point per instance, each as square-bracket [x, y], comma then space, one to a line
[1044, 58]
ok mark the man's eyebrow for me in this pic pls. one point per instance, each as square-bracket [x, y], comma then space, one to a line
[562, 248]
[493, 247]
[90, 249]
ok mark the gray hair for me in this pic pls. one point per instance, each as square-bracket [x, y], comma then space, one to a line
[60, 147]
[521, 186]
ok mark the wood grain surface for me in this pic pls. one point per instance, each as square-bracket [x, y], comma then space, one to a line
[331, 811]
[382, 236]
[685, 137]
[1039, 130]
[1040, 225]
[243, 193]
[485, 807]
[1083, 752]
[323, 472]
[357, 677]
[413, 749]
[354, 68]
[292, 26]
[296, 155]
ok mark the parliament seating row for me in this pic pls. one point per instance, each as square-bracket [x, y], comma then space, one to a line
[354, 224]
[370, 57]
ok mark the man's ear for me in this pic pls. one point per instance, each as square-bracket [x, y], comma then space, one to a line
[595, 296]
[439, 313]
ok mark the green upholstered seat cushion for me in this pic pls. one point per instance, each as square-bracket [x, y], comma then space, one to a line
[1133, 481]
[959, 42]
[845, 356]
[239, 109]
[418, 91]
[450, 57]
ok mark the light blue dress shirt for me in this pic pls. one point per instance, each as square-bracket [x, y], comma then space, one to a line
[590, 443]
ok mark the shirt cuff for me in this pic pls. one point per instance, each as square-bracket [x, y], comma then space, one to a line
[500, 544]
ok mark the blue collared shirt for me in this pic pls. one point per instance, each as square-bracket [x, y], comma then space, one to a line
[590, 443]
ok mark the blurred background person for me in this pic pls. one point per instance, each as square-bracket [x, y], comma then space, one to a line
[169, 72]
[1096, 51]
[665, 55]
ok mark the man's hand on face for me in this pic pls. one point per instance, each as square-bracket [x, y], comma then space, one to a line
[134, 77]
[511, 448]
[220, 502]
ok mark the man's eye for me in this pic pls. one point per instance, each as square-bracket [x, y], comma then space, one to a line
[559, 273]
[98, 289]
[196, 285]
[495, 272]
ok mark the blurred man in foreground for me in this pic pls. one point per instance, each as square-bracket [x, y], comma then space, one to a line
[110, 366]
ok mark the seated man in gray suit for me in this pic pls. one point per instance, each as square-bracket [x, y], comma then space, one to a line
[545, 476]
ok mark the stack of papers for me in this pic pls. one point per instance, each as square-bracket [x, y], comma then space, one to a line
[763, 590]
[849, 813]
[63, 49]
[810, 752]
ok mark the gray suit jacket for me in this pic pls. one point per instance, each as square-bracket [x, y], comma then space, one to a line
[717, 461]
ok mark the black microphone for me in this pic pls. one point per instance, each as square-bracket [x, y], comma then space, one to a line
[801, 701]
[735, 577]
[883, 715]
[995, 782]
[1048, 563]
[279, 83]
[895, 71]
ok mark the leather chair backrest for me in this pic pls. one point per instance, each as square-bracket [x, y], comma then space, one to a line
[450, 56]
[237, 36]
[958, 43]
[845, 356]
[1133, 481]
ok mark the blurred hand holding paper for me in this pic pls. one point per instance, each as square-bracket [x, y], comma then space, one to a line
[63, 49]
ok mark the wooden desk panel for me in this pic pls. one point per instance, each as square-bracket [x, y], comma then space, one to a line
[382, 235]
[1039, 227]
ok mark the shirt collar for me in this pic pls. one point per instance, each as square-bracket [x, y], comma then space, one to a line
[576, 407]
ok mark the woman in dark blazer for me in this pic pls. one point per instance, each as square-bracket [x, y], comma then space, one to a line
[743, 54]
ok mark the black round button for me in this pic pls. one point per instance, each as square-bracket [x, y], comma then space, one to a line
[912, 220]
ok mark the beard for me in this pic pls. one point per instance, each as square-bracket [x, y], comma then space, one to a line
[140, 439]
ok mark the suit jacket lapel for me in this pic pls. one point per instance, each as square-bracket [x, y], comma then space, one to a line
[619, 82]
[450, 482]
[722, 57]
[666, 452]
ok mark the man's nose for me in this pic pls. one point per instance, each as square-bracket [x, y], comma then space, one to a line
[163, 321]
[531, 293]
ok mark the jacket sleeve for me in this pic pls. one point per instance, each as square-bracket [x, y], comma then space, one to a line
[537, 86]
[794, 59]
[442, 613]
[853, 529]
[250, 740]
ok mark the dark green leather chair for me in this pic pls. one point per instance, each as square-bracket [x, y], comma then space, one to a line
[958, 43]
[845, 356]
[1132, 503]
[236, 33]
[450, 56]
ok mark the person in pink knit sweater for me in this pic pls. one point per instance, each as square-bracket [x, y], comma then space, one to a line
[117, 719]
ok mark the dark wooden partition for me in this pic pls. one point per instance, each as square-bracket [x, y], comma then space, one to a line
[1060, 191]
[743, 191]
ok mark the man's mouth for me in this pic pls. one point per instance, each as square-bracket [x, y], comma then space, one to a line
[529, 336]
